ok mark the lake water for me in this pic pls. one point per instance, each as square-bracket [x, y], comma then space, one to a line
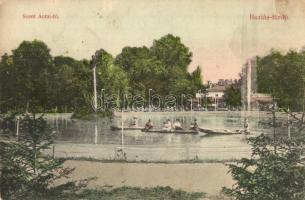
[79, 138]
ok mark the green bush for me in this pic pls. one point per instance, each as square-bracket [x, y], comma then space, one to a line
[276, 170]
[25, 171]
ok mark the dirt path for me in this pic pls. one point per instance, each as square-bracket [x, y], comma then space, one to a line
[206, 177]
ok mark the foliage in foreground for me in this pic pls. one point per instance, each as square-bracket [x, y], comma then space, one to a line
[25, 171]
[276, 170]
[125, 193]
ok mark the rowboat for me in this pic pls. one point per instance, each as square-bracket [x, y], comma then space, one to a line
[170, 131]
[220, 131]
[131, 128]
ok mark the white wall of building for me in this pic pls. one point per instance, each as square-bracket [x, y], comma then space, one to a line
[215, 94]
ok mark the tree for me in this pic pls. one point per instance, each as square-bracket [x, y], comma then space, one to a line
[171, 52]
[130, 55]
[32, 80]
[268, 174]
[110, 77]
[283, 76]
[232, 96]
[143, 70]
[276, 168]
[158, 67]
[25, 171]
[196, 79]
[180, 87]
[151, 74]
[7, 83]
[69, 82]
[33, 62]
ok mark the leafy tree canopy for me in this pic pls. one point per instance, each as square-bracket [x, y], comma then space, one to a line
[283, 76]
[32, 80]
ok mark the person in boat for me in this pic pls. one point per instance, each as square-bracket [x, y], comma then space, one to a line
[148, 125]
[194, 125]
[177, 125]
[167, 125]
[246, 126]
[134, 122]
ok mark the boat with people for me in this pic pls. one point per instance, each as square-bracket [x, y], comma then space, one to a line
[169, 127]
[219, 131]
[210, 131]
[175, 127]
[180, 131]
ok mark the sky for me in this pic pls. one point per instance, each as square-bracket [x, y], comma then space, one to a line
[220, 34]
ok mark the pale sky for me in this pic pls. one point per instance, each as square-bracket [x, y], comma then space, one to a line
[218, 32]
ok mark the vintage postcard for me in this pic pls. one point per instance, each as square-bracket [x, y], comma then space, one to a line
[159, 99]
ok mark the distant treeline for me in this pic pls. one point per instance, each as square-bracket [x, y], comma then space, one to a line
[31, 79]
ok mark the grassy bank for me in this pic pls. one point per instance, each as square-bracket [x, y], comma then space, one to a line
[125, 193]
[147, 161]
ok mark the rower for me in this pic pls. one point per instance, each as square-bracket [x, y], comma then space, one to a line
[177, 125]
[194, 125]
[148, 125]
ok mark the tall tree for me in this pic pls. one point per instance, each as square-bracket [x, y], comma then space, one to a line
[33, 63]
[232, 96]
[111, 77]
[175, 57]
[158, 67]
[8, 94]
[283, 76]
[171, 52]
[70, 83]
[196, 79]
[130, 55]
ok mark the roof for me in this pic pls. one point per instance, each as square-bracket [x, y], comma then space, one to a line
[217, 88]
[267, 98]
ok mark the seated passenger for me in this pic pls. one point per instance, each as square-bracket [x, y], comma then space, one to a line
[177, 125]
[134, 122]
[167, 125]
[246, 126]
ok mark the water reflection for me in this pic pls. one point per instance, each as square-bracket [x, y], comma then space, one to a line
[95, 133]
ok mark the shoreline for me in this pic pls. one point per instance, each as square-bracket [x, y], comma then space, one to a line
[190, 161]
[191, 177]
[149, 153]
